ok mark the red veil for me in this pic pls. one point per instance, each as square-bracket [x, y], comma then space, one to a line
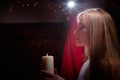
[73, 58]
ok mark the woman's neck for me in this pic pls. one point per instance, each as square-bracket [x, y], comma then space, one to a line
[86, 52]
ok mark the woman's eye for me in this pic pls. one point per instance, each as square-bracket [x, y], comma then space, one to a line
[81, 27]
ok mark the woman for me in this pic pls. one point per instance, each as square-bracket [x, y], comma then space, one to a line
[96, 33]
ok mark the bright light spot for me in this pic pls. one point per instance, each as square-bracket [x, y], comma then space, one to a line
[71, 4]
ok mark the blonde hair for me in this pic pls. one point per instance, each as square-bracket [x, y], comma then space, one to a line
[104, 46]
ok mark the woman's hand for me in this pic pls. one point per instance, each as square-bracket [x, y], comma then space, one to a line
[49, 76]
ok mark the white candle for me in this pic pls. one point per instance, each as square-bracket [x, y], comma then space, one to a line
[48, 63]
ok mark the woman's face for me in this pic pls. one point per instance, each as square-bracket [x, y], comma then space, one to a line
[82, 34]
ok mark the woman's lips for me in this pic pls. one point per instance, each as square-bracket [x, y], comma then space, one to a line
[77, 38]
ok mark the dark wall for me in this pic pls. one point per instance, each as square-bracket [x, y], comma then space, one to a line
[13, 12]
[23, 45]
[115, 14]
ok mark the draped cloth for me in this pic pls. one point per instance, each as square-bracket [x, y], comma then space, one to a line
[73, 57]
[83, 70]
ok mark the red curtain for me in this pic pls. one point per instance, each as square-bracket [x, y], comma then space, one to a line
[73, 58]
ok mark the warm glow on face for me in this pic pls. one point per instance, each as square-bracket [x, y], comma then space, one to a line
[82, 33]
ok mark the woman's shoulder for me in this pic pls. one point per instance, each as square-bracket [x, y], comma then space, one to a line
[111, 67]
[115, 68]
[111, 62]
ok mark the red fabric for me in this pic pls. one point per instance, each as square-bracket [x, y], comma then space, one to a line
[73, 58]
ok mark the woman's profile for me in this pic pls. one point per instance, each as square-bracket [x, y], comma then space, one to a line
[96, 33]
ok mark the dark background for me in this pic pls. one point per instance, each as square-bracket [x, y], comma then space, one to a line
[23, 45]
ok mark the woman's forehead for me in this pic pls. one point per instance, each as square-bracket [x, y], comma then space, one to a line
[82, 18]
[82, 21]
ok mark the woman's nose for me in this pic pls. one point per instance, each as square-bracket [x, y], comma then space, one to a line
[74, 32]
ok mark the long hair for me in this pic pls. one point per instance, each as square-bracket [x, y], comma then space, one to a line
[104, 46]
